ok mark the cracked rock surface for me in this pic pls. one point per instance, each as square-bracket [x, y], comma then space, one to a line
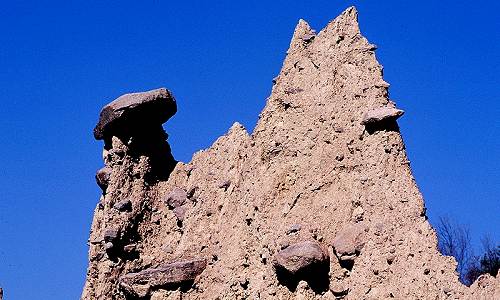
[235, 205]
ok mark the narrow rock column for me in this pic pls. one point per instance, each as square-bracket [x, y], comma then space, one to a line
[136, 156]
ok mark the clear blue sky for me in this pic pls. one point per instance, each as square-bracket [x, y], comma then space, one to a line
[61, 61]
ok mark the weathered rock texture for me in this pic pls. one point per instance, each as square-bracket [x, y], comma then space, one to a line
[312, 178]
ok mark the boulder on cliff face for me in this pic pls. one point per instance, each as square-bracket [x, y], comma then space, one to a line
[297, 257]
[167, 276]
[349, 241]
[305, 262]
[177, 197]
[102, 177]
[111, 234]
[135, 110]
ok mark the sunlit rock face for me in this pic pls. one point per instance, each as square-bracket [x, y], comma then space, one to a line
[317, 203]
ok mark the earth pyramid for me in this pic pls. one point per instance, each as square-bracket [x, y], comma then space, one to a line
[319, 202]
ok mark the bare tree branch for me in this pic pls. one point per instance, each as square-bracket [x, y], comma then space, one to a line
[454, 240]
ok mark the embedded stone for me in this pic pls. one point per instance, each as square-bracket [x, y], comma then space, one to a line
[180, 212]
[176, 198]
[124, 205]
[349, 241]
[299, 256]
[225, 184]
[165, 277]
[102, 178]
[108, 246]
[130, 248]
[338, 289]
[111, 234]
[308, 37]
[294, 228]
[135, 111]
[381, 114]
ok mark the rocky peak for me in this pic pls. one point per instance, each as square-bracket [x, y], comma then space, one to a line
[317, 203]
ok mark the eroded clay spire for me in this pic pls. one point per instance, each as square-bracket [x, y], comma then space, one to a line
[346, 22]
[302, 35]
[318, 203]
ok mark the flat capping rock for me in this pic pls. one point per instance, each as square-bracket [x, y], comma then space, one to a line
[381, 114]
[135, 111]
[168, 276]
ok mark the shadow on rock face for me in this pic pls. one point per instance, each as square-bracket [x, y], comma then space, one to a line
[316, 276]
[150, 142]
[347, 264]
[386, 125]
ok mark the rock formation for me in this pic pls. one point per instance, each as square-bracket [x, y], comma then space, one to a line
[317, 203]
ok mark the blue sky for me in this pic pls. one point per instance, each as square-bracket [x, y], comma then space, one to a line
[61, 61]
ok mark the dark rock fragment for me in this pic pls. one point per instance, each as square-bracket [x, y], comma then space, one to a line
[308, 37]
[225, 184]
[108, 246]
[191, 193]
[166, 277]
[294, 228]
[134, 111]
[177, 197]
[111, 234]
[447, 291]
[130, 248]
[340, 294]
[102, 178]
[180, 212]
[124, 205]
[291, 91]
